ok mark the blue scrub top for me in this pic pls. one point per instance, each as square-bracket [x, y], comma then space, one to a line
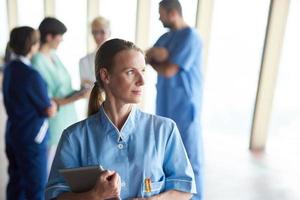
[147, 146]
[181, 93]
[180, 96]
[25, 100]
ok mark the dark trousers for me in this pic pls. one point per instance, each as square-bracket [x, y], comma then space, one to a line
[27, 171]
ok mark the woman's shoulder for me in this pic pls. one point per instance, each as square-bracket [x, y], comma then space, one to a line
[159, 127]
[38, 61]
[83, 125]
[156, 119]
[38, 56]
[16, 67]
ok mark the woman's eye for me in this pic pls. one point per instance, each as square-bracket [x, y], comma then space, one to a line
[130, 72]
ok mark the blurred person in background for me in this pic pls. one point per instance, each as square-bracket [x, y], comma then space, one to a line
[100, 28]
[176, 57]
[58, 80]
[27, 105]
[9, 54]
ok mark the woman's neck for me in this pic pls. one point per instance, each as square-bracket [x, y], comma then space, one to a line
[45, 49]
[117, 113]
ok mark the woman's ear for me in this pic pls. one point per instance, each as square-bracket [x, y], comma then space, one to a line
[104, 75]
[49, 37]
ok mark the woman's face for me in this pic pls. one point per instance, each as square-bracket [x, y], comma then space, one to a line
[100, 33]
[126, 80]
[35, 48]
[54, 40]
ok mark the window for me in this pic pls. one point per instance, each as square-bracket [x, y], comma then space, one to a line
[237, 39]
[122, 17]
[156, 27]
[189, 11]
[3, 27]
[30, 12]
[74, 45]
[285, 120]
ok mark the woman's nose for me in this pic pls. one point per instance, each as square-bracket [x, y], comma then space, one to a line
[141, 79]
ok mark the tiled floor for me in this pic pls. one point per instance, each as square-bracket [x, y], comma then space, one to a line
[234, 173]
[231, 171]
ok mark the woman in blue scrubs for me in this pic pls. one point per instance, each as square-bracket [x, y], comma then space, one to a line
[144, 150]
[27, 106]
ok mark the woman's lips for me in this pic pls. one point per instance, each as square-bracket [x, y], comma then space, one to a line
[137, 92]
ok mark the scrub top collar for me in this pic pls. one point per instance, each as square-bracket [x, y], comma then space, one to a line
[126, 129]
[24, 60]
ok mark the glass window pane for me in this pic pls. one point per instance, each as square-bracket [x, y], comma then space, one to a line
[122, 17]
[29, 15]
[284, 132]
[237, 39]
[156, 27]
[285, 122]
[189, 10]
[74, 45]
[3, 27]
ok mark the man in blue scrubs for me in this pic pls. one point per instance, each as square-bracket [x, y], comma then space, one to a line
[176, 56]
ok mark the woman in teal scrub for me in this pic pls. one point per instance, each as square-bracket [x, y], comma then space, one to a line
[58, 80]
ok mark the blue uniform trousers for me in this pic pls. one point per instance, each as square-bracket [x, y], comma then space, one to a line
[192, 140]
[27, 171]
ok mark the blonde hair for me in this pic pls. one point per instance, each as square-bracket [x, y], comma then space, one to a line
[101, 21]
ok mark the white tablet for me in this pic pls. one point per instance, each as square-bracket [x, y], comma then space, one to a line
[81, 179]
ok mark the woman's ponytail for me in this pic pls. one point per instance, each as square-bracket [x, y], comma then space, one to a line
[96, 99]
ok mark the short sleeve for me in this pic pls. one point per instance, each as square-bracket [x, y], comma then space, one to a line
[186, 50]
[37, 92]
[178, 170]
[39, 65]
[66, 157]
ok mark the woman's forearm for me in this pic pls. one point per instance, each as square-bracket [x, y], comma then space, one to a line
[51, 111]
[79, 196]
[166, 69]
[65, 101]
[172, 195]
[169, 195]
[72, 98]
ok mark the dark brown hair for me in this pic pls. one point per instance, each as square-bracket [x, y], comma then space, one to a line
[169, 5]
[52, 26]
[22, 39]
[105, 59]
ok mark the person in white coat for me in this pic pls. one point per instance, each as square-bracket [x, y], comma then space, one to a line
[100, 28]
